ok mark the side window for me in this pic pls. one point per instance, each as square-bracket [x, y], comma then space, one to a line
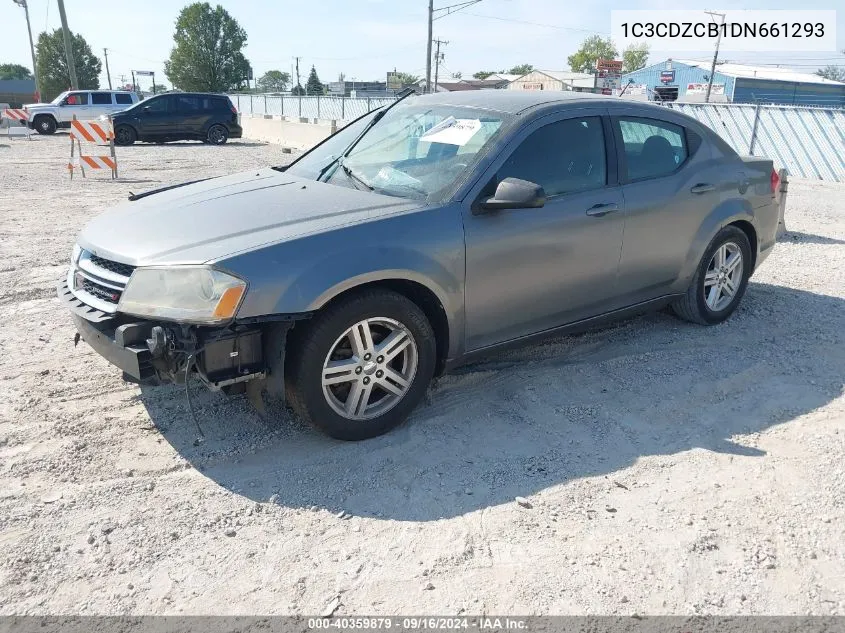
[123, 98]
[189, 104]
[652, 148]
[77, 98]
[562, 157]
[100, 98]
[157, 105]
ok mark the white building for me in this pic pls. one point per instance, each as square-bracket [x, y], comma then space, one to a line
[553, 80]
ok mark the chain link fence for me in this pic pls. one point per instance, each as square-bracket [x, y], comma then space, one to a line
[808, 142]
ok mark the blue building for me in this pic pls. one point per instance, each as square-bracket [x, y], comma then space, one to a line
[686, 80]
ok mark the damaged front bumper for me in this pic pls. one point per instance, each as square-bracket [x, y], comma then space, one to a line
[156, 352]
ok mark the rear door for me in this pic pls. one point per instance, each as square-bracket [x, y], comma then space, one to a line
[670, 187]
[101, 103]
[122, 100]
[191, 115]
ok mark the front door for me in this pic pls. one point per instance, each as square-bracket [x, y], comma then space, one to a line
[158, 116]
[75, 104]
[530, 270]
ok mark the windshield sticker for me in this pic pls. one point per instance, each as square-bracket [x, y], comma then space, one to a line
[452, 131]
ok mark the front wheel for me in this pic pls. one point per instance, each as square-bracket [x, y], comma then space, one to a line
[125, 135]
[45, 124]
[359, 368]
[720, 280]
[217, 135]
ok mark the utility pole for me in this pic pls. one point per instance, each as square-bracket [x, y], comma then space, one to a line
[71, 66]
[438, 57]
[428, 47]
[108, 74]
[134, 87]
[715, 55]
[297, 70]
[22, 3]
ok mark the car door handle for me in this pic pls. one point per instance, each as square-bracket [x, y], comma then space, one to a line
[702, 188]
[600, 210]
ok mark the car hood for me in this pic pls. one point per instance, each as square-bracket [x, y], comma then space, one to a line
[208, 220]
[36, 106]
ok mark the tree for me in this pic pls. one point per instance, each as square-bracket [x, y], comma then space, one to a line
[457, 75]
[52, 64]
[835, 73]
[407, 79]
[634, 57]
[483, 74]
[521, 69]
[14, 71]
[314, 86]
[158, 88]
[592, 49]
[208, 54]
[298, 90]
[274, 81]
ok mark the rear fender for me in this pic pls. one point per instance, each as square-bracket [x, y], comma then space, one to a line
[727, 212]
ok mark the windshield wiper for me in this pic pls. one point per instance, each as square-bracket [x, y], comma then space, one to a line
[376, 118]
[354, 177]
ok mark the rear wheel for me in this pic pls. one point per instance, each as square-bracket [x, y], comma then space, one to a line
[360, 367]
[45, 124]
[217, 135]
[720, 280]
[125, 135]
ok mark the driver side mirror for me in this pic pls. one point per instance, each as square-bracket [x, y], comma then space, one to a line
[515, 193]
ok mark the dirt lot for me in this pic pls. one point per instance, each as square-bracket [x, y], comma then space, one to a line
[670, 468]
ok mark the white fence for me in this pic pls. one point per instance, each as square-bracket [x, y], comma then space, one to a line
[808, 142]
[326, 107]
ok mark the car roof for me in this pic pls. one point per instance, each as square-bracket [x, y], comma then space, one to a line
[512, 101]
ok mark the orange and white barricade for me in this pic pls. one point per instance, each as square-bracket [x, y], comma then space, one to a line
[16, 117]
[97, 133]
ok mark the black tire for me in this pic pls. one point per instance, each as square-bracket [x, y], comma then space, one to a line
[309, 348]
[45, 124]
[693, 305]
[125, 135]
[217, 135]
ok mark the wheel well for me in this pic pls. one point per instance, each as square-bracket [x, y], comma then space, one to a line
[425, 299]
[44, 114]
[751, 234]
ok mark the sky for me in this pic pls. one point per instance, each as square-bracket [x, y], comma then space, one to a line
[366, 38]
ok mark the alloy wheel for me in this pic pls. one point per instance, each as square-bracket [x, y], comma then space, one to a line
[723, 276]
[369, 368]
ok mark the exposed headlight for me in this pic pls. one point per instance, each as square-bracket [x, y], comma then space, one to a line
[74, 255]
[189, 294]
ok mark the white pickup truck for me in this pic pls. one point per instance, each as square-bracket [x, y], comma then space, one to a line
[45, 118]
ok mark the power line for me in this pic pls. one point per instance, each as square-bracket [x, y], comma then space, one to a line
[549, 26]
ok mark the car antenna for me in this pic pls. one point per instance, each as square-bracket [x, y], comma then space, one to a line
[376, 118]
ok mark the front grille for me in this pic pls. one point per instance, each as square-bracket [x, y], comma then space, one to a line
[103, 293]
[117, 268]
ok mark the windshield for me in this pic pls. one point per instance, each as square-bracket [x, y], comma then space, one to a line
[414, 152]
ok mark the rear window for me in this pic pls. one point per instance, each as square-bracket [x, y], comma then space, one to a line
[123, 98]
[221, 103]
[101, 98]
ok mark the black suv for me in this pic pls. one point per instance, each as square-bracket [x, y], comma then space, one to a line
[178, 116]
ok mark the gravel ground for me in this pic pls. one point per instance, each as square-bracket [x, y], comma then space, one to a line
[661, 467]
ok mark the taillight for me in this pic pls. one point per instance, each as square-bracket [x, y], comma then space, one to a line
[233, 108]
[775, 181]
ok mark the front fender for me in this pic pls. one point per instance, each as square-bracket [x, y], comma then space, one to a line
[303, 275]
[727, 212]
